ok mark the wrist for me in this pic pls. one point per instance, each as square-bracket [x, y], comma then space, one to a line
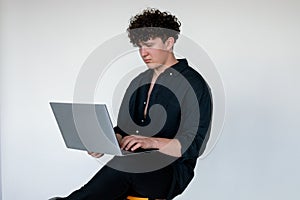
[155, 143]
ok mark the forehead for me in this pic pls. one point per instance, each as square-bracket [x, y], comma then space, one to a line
[156, 40]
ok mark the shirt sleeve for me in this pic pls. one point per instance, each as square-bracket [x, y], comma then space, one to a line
[120, 131]
[195, 121]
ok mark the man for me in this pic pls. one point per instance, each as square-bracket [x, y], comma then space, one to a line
[177, 128]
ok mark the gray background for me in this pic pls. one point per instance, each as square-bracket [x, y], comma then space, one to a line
[254, 44]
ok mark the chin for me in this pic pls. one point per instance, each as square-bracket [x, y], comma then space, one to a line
[152, 65]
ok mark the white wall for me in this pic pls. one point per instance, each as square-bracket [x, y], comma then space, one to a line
[254, 44]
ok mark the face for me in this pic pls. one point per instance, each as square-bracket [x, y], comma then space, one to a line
[154, 52]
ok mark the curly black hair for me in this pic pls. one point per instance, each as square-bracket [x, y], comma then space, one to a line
[152, 23]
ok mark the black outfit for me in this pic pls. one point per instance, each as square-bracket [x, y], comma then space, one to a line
[186, 99]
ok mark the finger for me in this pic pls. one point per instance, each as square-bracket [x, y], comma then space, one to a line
[136, 146]
[98, 155]
[95, 155]
[129, 142]
[125, 141]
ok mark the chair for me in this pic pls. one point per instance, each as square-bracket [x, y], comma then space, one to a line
[140, 198]
[136, 198]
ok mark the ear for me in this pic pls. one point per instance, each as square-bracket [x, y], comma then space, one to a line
[170, 43]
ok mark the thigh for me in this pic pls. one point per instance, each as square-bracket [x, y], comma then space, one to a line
[154, 184]
[108, 183]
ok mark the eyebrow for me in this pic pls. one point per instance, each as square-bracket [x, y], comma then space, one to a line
[147, 43]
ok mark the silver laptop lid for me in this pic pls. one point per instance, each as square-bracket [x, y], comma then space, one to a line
[86, 127]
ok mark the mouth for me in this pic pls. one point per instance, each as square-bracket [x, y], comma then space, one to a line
[147, 60]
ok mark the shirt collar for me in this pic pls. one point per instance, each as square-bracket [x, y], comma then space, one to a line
[178, 67]
[174, 69]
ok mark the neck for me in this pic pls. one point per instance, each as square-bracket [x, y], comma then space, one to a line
[171, 60]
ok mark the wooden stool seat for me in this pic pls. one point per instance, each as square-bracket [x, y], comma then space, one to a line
[139, 198]
[136, 198]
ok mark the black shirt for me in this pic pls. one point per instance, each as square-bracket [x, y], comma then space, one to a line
[186, 114]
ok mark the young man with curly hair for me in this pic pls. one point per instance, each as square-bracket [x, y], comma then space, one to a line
[182, 92]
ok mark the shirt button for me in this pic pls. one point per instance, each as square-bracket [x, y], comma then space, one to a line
[142, 120]
[171, 74]
[137, 131]
[145, 102]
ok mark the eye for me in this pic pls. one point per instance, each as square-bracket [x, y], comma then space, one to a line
[149, 45]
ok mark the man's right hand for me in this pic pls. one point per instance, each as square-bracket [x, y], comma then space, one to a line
[95, 155]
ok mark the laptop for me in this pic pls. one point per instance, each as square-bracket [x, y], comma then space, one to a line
[88, 127]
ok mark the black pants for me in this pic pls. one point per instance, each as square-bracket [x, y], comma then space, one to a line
[111, 184]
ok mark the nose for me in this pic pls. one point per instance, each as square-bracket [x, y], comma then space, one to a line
[143, 51]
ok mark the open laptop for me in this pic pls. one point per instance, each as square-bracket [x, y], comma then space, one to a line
[88, 127]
